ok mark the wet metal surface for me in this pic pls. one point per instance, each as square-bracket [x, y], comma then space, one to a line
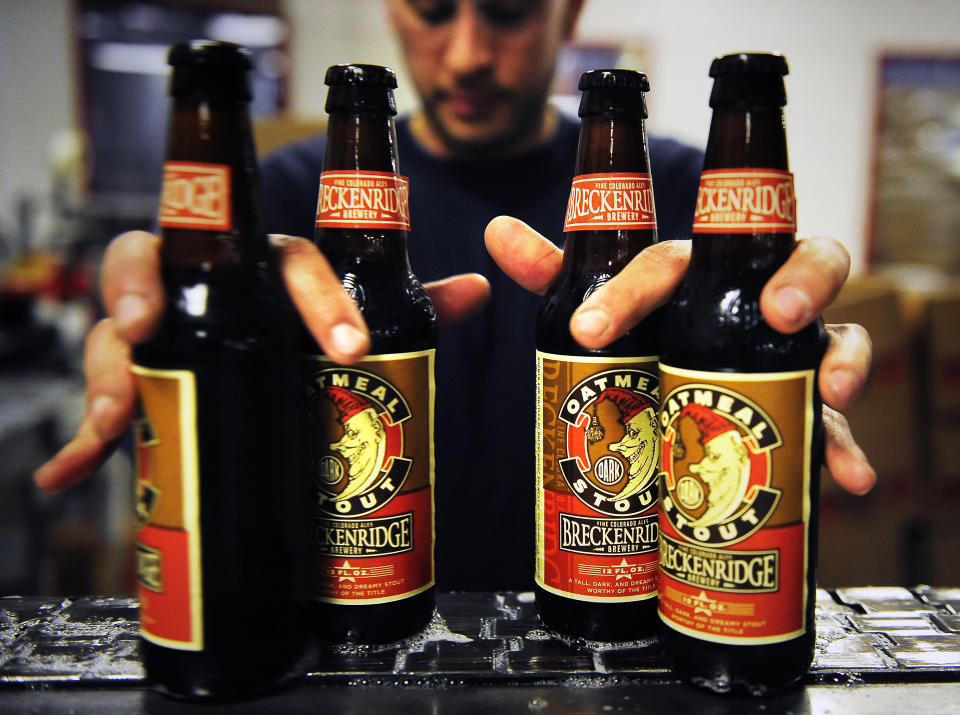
[863, 634]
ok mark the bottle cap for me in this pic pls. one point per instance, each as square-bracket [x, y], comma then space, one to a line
[361, 74]
[765, 62]
[746, 81]
[356, 88]
[614, 78]
[613, 91]
[208, 69]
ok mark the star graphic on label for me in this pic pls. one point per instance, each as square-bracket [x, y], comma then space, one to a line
[705, 604]
[623, 564]
[345, 574]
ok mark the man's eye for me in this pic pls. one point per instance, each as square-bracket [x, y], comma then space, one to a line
[434, 12]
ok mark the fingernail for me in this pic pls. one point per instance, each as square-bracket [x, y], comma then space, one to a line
[591, 323]
[279, 240]
[347, 339]
[793, 304]
[130, 309]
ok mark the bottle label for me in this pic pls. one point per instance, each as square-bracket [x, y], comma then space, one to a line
[363, 199]
[746, 201]
[195, 196]
[168, 509]
[610, 201]
[735, 504]
[596, 499]
[370, 529]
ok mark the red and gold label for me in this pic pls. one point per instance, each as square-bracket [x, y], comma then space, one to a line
[746, 201]
[610, 201]
[370, 485]
[363, 199]
[168, 509]
[195, 196]
[596, 498]
[735, 504]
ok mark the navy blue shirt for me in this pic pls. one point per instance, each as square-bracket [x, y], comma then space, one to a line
[485, 366]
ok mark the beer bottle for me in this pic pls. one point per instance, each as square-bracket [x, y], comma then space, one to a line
[740, 413]
[370, 466]
[597, 437]
[217, 435]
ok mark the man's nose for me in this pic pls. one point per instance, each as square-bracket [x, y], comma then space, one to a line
[471, 43]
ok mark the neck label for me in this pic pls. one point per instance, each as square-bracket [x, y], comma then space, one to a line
[610, 201]
[195, 196]
[746, 201]
[363, 199]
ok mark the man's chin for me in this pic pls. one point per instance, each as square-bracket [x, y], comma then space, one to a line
[488, 136]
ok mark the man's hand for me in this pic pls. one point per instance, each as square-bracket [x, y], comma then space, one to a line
[133, 298]
[796, 294]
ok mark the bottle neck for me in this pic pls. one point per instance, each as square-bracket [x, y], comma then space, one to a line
[365, 141]
[216, 134]
[754, 138]
[745, 137]
[610, 143]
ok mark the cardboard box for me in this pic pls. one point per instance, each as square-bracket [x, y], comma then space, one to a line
[869, 541]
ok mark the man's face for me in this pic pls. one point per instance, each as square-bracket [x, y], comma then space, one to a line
[482, 68]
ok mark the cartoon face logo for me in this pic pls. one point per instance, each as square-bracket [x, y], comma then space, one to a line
[613, 441]
[717, 465]
[363, 444]
[356, 441]
[640, 444]
[724, 468]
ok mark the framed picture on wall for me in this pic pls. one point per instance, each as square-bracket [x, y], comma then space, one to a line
[915, 204]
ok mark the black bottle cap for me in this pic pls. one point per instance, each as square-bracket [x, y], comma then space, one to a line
[208, 69]
[620, 92]
[748, 80]
[764, 62]
[361, 74]
[356, 88]
[614, 78]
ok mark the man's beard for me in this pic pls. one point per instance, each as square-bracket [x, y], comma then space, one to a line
[526, 121]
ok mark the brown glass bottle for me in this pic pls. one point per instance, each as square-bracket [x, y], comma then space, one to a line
[218, 431]
[369, 484]
[740, 412]
[596, 525]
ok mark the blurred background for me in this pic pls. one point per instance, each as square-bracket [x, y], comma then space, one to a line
[874, 129]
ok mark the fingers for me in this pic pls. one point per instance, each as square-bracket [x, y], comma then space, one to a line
[523, 254]
[109, 410]
[806, 284]
[327, 310]
[131, 286]
[458, 297]
[76, 461]
[846, 365]
[111, 392]
[845, 460]
[644, 284]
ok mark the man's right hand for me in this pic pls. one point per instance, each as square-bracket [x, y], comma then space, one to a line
[133, 299]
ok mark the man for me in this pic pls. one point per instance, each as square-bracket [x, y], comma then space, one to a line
[484, 143]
